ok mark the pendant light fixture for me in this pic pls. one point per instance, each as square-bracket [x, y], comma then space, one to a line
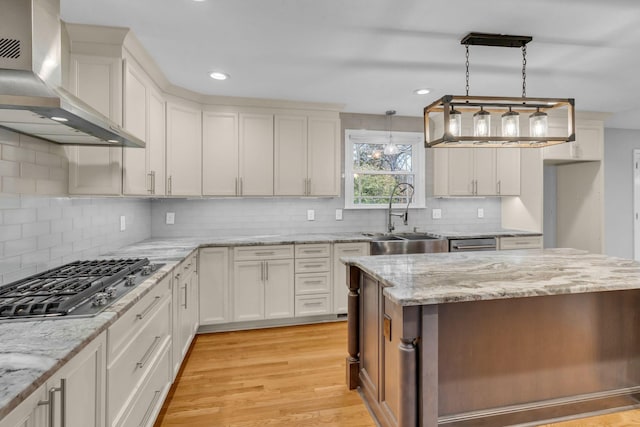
[390, 148]
[450, 110]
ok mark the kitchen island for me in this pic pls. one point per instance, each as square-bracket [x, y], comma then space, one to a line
[493, 338]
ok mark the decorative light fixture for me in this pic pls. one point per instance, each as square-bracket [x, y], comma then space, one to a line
[390, 148]
[448, 112]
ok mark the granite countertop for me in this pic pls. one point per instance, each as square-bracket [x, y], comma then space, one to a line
[472, 276]
[32, 351]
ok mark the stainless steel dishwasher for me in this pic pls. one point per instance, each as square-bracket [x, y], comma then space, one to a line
[465, 245]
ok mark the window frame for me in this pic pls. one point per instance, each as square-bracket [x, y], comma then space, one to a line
[418, 162]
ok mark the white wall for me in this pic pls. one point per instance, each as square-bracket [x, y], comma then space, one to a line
[618, 190]
[550, 205]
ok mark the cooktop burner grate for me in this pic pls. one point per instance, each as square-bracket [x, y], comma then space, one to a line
[59, 291]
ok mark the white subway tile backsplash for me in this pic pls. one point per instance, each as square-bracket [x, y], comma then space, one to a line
[18, 154]
[20, 216]
[13, 185]
[33, 171]
[48, 159]
[8, 168]
[49, 240]
[35, 229]
[21, 246]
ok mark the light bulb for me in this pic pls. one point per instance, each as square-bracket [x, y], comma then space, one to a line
[481, 123]
[538, 124]
[511, 124]
[455, 122]
[391, 149]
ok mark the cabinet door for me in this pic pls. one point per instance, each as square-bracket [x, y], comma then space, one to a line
[135, 164]
[184, 150]
[508, 171]
[98, 82]
[589, 142]
[248, 290]
[460, 171]
[187, 306]
[485, 171]
[279, 289]
[290, 156]
[439, 170]
[156, 142]
[340, 290]
[84, 387]
[256, 154]
[29, 413]
[323, 156]
[214, 285]
[219, 154]
[563, 151]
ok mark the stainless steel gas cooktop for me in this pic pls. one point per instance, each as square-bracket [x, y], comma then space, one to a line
[80, 288]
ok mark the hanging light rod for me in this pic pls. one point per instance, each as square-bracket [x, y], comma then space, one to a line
[499, 40]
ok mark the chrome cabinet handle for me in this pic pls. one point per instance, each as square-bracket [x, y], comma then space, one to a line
[236, 188]
[314, 265]
[350, 250]
[262, 271]
[149, 183]
[170, 186]
[52, 400]
[309, 187]
[146, 311]
[152, 405]
[474, 247]
[265, 253]
[313, 303]
[185, 296]
[498, 189]
[313, 282]
[266, 264]
[149, 352]
[153, 182]
[241, 189]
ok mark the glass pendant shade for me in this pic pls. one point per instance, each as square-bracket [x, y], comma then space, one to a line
[481, 123]
[538, 124]
[455, 122]
[511, 124]
[391, 149]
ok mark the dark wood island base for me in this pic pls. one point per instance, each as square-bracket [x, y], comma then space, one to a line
[498, 362]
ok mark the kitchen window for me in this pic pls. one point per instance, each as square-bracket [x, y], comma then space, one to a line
[375, 161]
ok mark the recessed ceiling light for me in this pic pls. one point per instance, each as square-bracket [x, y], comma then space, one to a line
[422, 91]
[59, 119]
[217, 75]
[113, 141]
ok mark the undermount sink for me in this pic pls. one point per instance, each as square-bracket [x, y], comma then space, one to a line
[407, 243]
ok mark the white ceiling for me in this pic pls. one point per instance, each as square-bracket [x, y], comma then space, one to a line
[370, 55]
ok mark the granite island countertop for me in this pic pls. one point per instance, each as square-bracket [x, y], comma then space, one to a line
[425, 279]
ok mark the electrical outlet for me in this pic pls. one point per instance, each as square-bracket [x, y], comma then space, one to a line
[338, 214]
[171, 218]
[436, 213]
[123, 223]
[311, 215]
[480, 213]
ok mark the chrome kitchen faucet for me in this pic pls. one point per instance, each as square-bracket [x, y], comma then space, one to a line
[405, 214]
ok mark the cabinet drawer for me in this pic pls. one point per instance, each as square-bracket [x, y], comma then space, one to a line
[313, 250]
[130, 368]
[124, 329]
[145, 406]
[250, 253]
[312, 305]
[314, 283]
[312, 265]
[529, 242]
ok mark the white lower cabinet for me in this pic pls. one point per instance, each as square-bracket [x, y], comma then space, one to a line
[313, 279]
[263, 283]
[73, 397]
[213, 276]
[76, 391]
[138, 359]
[519, 242]
[185, 310]
[340, 291]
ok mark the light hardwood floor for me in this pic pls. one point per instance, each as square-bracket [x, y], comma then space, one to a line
[291, 376]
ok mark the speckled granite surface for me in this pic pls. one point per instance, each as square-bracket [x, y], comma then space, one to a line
[477, 233]
[471, 276]
[32, 351]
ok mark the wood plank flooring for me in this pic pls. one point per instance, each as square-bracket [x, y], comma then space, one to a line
[291, 376]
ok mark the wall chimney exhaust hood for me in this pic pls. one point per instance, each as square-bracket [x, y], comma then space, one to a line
[32, 100]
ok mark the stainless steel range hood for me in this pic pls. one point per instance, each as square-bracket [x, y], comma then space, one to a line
[32, 100]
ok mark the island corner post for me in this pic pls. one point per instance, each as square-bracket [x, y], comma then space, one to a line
[492, 362]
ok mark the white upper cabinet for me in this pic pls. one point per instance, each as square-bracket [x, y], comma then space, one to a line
[156, 142]
[307, 156]
[184, 149]
[256, 154]
[220, 151]
[97, 80]
[476, 171]
[290, 159]
[588, 146]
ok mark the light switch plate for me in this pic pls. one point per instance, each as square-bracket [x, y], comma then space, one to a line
[338, 214]
[123, 223]
[171, 218]
[311, 215]
[436, 213]
[480, 213]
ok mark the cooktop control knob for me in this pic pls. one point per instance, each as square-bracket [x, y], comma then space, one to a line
[99, 299]
[147, 269]
[110, 292]
[130, 280]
